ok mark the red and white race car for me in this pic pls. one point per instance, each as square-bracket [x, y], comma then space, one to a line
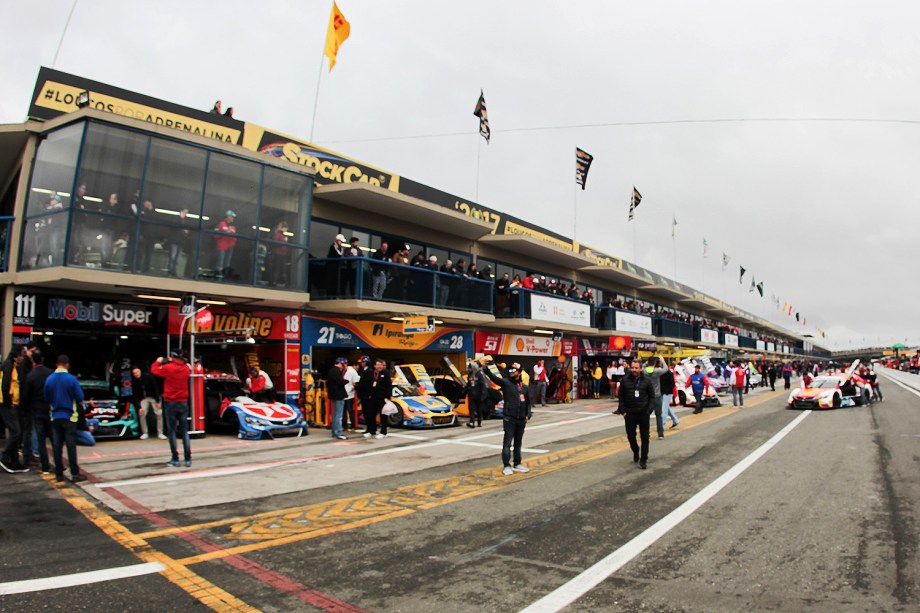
[227, 404]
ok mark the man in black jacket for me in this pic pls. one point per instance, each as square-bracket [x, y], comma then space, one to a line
[516, 413]
[477, 389]
[637, 403]
[374, 389]
[32, 399]
[335, 390]
[145, 392]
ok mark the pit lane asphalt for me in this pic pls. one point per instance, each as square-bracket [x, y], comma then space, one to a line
[824, 521]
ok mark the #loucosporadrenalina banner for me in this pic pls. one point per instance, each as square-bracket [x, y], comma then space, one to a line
[352, 334]
[56, 93]
[494, 343]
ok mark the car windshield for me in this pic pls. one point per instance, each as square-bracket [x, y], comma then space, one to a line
[825, 383]
[403, 390]
[98, 393]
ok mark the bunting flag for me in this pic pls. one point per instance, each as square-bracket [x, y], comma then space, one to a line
[753, 285]
[673, 226]
[338, 32]
[583, 161]
[484, 130]
[760, 289]
[725, 260]
[634, 202]
[804, 321]
[741, 277]
[705, 248]
[796, 315]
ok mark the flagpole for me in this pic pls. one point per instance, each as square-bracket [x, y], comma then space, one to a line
[635, 243]
[674, 248]
[319, 78]
[478, 166]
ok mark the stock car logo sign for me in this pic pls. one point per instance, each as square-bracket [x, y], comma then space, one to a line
[262, 410]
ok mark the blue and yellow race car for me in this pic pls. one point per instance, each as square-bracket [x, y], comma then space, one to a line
[417, 402]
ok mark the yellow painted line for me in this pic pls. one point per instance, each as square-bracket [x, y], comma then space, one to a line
[197, 587]
[286, 526]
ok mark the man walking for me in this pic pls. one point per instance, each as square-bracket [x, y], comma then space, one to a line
[146, 397]
[637, 403]
[667, 395]
[374, 389]
[655, 368]
[771, 372]
[517, 412]
[698, 382]
[64, 394]
[32, 397]
[335, 390]
[351, 377]
[787, 375]
[10, 411]
[175, 373]
[540, 379]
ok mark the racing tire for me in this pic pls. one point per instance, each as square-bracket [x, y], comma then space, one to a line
[681, 398]
[837, 401]
[395, 420]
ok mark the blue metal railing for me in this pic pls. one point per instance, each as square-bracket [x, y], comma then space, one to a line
[369, 279]
[516, 303]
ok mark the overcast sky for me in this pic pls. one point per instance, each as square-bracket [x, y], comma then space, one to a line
[823, 212]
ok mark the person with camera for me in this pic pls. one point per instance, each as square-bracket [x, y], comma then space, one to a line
[175, 373]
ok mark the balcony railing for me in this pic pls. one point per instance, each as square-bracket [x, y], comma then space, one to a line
[673, 328]
[6, 228]
[516, 304]
[369, 279]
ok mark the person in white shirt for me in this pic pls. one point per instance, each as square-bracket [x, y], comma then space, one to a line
[540, 379]
[351, 377]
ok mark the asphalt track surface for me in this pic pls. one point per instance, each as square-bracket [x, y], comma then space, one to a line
[824, 518]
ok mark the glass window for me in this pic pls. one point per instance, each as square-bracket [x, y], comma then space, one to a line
[174, 180]
[228, 258]
[232, 187]
[43, 241]
[101, 241]
[322, 236]
[53, 171]
[109, 178]
[285, 198]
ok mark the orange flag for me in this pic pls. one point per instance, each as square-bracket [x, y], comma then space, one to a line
[339, 29]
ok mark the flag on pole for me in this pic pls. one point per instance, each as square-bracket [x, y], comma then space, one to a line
[673, 226]
[583, 161]
[484, 130]
[705, 248]
[634, 202]
[760, 289]
[339, 29]
[725, 260]
[753, 285]
[741, 277]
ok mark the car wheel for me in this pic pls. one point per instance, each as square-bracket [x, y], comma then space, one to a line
[682, 399]
[395, 420]
[836, 401]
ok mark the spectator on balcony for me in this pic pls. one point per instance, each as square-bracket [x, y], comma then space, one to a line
[445, 284]
[180, 241]
[588, 296]
[337, 248]
[225, 244]
[527, 281]
[419, 260]
[278, 256]
[354, 248]
[145, 239]
[574, 292]
[381, 271]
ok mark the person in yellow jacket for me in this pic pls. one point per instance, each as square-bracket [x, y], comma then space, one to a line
[10, 411]
[596, 377]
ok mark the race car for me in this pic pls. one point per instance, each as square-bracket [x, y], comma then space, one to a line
[828, 392]
[418, 402]
[116, 417]
[685, 395]
[453, 387]
[227, 405]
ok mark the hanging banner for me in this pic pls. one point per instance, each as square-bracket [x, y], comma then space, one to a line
[557, 310]
[771, 347]
[731, 340]
[493, 343]
[633, 322]
[354, 334]
[761, 346]
[709, 336]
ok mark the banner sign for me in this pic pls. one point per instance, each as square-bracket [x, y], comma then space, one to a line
[265, 325]
[619, 343]
[557, 310]
[761, 346]
[330, 167]
[731, 340]
[771, 347]
[494, 343]
[416, 324]
[63, 313]
[651, 346]
[56, 94]
[353, 334]
[633, 322]
[709, 336]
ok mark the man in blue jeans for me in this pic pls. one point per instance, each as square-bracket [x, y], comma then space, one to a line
[175, 373]
[335, 390]
[516, 414]
[63, 393]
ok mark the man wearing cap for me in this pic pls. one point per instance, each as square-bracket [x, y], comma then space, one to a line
[338, 249]
[175, 373]
[225, 244]
[516, 413]
[637, 403]
[335, 390]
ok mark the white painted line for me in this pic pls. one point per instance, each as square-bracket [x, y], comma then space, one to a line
[462, 441]
[530, 428]
[587, 580]
[95, 576]
[904, 385]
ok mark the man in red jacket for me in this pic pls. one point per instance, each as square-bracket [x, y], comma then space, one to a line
[175, 373]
